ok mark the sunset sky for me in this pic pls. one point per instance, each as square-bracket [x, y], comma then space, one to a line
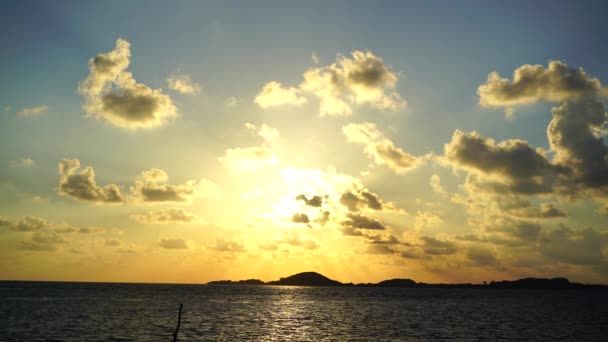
[190, 141]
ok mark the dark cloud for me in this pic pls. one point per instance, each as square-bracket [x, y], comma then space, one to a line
[295, 240]
[414, 253]
[434, 246]
[323, 219]
[148, 188]
[315, 201]
[378, 249]
[82, 186]
[362, 222]
[481, 255]
[112, 243]
[28, 224]
[173, 243]
[582, 247]
[355, 200]
[300, 218]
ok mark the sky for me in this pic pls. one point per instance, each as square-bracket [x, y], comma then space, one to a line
[184, 142]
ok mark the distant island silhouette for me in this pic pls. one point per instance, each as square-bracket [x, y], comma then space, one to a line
[316, 279]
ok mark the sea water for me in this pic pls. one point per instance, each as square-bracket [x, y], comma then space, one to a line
[49, 311]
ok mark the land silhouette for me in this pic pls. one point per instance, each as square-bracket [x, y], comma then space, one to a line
[316, 279]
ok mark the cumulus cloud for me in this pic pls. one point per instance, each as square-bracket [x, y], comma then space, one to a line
[575, 133]
[25, 162]
[113, 94]
[264, 131]
[183, 84]
[533, 83]
[222, 245]
[250, 159]
[362, 79]
[380, 148]
[81, 185]
[166, 216]
[573, 136]
[32, 112]
[274, 94]
[481, 255]
[149, 188]
[173, 243]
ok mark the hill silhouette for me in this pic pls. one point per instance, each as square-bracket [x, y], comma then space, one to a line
[316, 279]
[306, 279]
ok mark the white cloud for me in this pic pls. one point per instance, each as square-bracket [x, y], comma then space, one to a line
[166, 216]
[265, 131]
[250, 159]
[149, 188]
[113, 94]
[25, 162]
[380, 148]
[32, 112]
[273, 94]
[183, 84]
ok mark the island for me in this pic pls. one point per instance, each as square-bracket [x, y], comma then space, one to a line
[316, 279]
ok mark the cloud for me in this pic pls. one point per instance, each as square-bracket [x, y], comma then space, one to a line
[166, 216]
[264, 131]
[273, 94]
[113, 94]
[300, 218]
[112, 243]
[149, 188]
[173, 243]
[379, 148]
[414, 253]
[435, 182]
[25, 162]
[230, 102]
[533, 83]
[355, 200]
[434, 246]
[362, 222]
[82, 186]
[362, 79]
[222, 245]
[250, 159]
[378, 249]
[268, 246]
[295, 240]
[183, 84]
[27, 224]
[573, 136]
[582, 247]
[314, 201]
[32, 112]
[482, 255]
[426, 219]
[512, 165]
[33, 246]
[575, 133]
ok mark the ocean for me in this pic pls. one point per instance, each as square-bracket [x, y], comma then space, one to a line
[56, 311]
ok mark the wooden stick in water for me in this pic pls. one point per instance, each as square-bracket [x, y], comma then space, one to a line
[179, 320]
